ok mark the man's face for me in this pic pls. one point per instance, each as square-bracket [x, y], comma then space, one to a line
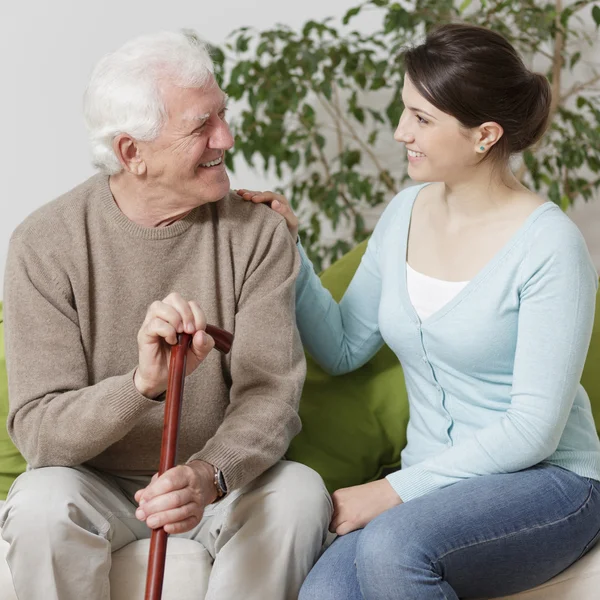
[187, 159]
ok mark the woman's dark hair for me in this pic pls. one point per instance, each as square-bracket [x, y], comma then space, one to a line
[475, 75]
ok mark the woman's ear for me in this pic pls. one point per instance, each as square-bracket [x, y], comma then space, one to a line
[486, 135]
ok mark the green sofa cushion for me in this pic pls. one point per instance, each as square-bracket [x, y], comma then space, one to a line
[354, 426]
[591, 372]
[11, 462]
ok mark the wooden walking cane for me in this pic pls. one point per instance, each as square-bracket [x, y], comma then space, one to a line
[168, 450]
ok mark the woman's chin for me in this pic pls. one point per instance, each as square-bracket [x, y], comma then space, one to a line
[416, 176]
[420, 172]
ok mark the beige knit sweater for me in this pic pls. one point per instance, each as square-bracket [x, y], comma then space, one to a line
[79, 279]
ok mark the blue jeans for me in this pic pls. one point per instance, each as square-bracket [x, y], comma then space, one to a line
[484, 537]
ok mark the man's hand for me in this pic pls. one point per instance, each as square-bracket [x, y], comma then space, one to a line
[355, 507]
[177, 499]
[164, 320]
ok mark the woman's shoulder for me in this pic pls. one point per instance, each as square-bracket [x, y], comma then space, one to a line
[408, 195]
[555, 243]
[400, 206]
[552, 227]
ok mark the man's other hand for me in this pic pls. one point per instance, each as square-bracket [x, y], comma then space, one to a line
[176, 500]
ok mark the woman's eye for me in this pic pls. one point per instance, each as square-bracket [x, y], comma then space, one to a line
[422, 120]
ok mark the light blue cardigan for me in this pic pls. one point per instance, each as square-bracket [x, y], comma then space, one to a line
[493, 377]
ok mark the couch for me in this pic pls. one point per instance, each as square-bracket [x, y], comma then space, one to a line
[353, 432]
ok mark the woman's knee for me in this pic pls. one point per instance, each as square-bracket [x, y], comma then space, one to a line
[334, 575]
[391, 546]
[332, 587]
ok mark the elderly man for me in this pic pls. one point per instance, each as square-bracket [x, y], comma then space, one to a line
[98, 284]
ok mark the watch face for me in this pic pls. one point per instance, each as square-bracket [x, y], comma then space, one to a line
[222, 482]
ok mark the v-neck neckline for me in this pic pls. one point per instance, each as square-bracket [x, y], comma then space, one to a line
[477, 279]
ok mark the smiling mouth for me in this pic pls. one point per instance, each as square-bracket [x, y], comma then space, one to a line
[414, 154]
[212, 163]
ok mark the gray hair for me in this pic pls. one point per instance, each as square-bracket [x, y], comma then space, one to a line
[123, 94]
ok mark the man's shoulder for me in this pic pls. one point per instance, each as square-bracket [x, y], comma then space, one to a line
[58, 217]
[241, 215]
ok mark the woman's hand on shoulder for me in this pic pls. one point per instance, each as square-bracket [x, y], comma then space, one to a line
[276, 202]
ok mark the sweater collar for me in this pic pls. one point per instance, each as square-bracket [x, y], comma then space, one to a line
[115, 216]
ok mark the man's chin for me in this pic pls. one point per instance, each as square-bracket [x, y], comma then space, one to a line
[214, 187]
[214, 193]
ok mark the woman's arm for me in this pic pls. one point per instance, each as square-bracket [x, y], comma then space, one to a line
[340, 337]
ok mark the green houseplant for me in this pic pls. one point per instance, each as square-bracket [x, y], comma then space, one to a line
[317, 102]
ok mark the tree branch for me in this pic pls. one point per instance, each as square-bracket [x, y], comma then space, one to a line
[338, 128]
[557, 65]
[384, 175]
[557, 62]
[325, 164]
[578, 87]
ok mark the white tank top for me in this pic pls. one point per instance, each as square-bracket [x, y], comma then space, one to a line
[428, 294]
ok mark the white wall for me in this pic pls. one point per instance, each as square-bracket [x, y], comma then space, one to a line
[47, 51]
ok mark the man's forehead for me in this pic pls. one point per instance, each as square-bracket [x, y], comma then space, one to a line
[204, 108]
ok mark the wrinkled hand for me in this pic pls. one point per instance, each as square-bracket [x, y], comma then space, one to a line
[278, 203]
[176, 500]
[355, 507]
[164, 320]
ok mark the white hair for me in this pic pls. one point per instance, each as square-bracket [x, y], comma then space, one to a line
[123, 94]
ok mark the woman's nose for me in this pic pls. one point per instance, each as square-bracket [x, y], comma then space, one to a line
[402, 134]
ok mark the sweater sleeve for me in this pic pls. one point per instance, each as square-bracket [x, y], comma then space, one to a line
[267, 369]
[556, 314]
[56, 417]
[343, 337]
[340, 337]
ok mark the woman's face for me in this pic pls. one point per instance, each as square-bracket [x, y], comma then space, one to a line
[438, 147]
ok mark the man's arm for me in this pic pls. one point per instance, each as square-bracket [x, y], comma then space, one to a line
[56, 418]
[267, 368]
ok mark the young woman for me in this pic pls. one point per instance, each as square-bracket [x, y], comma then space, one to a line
[486, 293]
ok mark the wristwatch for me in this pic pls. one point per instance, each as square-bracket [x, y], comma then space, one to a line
[219, 481]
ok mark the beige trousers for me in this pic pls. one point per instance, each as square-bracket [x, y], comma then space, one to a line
[63, 523]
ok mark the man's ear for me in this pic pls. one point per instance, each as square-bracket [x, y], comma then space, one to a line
[128, 153]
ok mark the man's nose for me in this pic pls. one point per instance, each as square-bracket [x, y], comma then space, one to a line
[221, 137]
